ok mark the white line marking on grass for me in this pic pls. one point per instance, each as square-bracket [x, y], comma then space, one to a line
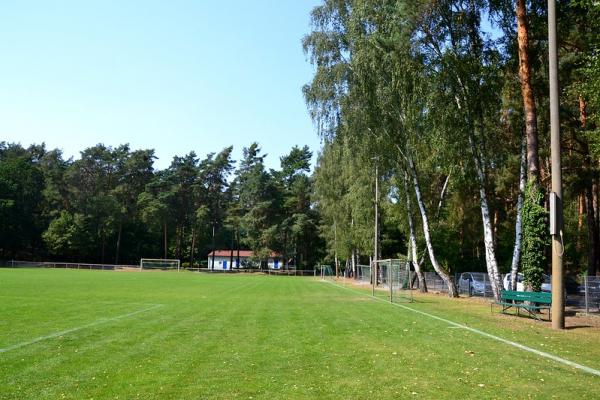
[67, 331]
[482, 333]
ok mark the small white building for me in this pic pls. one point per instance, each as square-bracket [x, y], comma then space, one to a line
[227, 260]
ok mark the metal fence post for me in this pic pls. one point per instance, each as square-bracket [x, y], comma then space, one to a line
[390, 282]
[484, 286]
[585, 286]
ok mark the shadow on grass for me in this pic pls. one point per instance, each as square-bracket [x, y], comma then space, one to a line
[574, 327]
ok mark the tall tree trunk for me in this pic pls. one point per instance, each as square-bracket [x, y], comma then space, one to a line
[231, 254]
[353, 255]
[591, 218]
[412, 239]
[442, 195]
[583, 112]
[165, 239]
[593, 241]
[212, 264]
[596, 197]
[516, 258]
[177, 236]
[448, 280]
[193, 247]
[495, 227]
[580, 212]
[335, 249]
[581, 196]
[103, 245]
[237, 244]
[285, 257]
[590, 200]
[180, 234]
[488, 233]
[118, 242]
[527, 93]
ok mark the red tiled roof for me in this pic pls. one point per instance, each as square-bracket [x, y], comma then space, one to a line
[243, 253]
[227, 253]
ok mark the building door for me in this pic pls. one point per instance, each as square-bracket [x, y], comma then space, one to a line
[224, 264]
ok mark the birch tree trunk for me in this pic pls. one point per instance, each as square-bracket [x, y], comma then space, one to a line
[412, 240]
[516, 258]
[354, 274]
[448, 280]
[488, 233]
[439, 208]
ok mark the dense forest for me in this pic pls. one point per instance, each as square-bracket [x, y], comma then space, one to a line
[449, 101]
[112, 206]
[444, 103]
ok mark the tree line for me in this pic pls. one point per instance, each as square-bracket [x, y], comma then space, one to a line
[112, 206]
[446, 100]
[449, 101]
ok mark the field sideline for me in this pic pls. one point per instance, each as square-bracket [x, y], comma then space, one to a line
[107, 335]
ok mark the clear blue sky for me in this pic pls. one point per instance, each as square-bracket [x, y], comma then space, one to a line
[174, 75]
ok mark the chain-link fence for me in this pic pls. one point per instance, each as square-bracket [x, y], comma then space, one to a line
[434, 282]
[364, 274]
[584, 295]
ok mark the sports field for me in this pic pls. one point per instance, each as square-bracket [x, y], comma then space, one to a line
[68, 334]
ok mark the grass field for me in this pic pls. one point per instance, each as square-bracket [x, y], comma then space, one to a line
[68, 334]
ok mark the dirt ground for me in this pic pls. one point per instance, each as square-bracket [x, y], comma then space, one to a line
[579, 319]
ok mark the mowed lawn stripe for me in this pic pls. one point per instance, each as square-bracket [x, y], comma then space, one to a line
[75, 329]
[223, 336]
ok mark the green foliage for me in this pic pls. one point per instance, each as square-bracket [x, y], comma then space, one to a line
[110, 205]
[68, 236]
[535, 238]
[21, 193]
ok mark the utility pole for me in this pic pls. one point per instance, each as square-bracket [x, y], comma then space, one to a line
[556, 213]
[376, 244]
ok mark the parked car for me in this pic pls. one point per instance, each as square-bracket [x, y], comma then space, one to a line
[592, 286]
[475, 282]
[546, 283]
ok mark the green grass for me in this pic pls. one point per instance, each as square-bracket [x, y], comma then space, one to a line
[266, 337]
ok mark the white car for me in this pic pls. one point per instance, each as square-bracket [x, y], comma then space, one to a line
[476, 283]
[546, 284]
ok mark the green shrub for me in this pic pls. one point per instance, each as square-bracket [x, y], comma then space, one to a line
[535, 238]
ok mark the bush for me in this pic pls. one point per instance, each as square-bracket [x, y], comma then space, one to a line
[535, 238]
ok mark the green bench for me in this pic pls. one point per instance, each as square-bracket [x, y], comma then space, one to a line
[532, 302]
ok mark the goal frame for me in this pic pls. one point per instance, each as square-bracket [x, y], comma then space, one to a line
[397, 275]
[173, 260]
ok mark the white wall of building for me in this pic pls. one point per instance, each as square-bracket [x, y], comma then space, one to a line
[224, 263]
[275, 263]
